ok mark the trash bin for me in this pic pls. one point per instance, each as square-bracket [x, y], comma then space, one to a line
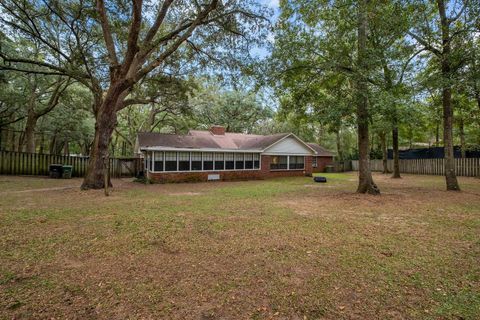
[67, 172]
[55, 171]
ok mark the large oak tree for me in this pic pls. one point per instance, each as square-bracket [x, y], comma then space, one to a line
[109, 46]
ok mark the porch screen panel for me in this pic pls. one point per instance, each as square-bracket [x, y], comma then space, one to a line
[171, 161]
[248, 161]
[207, 161]
[158, 165]
[219, 161]
[147, 161]
[196, 161]
[229, 162]
[278, 163]
[239, 161]
[184, 161]
[256, 161]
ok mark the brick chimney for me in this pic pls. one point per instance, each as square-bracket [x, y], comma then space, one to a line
[217, 130]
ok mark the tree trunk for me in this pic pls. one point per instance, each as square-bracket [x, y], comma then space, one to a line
[94, 179]
[365, 183]
[339, 146]
[53, 143]
[20, 141]
[42, 144]
[450, 176]
[30, 132]
[66, 150]
[462, 138]
[396, 155]
[1, 138]
[10, 139]
[410, 137]
[106, 120]
[151, 119]
[477, 97]
[383, 143]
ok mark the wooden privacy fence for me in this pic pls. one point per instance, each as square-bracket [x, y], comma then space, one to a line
[467, 167]
[23, 163]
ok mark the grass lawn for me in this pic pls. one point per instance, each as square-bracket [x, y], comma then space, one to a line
[275, 249]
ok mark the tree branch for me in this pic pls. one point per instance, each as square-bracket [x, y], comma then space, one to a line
[55, 97]
[158, 21]
[132, 46]
[455, 18]
[107, 34]
[155, 63]
[424, 43]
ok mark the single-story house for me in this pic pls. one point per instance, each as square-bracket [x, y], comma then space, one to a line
[218, 155]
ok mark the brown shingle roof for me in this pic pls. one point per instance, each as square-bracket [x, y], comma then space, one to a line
[197, 139]
[321, 151]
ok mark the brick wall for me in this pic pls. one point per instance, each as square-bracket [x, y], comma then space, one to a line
[263, 173]
[322, 162]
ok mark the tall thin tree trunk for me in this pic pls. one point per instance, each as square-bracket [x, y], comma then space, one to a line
[383, 143]
[9, 139]
[396, 154]
[2, 138]
[41, 144]
[339, 146]
[410, 137]
[477, 97]
[66, 149]
[20, 142]
[365, 183]
[53, 143]
[462, 138]
[450, 176]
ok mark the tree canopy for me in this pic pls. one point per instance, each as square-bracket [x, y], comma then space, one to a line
[359, 77]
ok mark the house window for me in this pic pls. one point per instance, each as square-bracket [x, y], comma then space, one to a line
[196, 161]
[184, 161]
[170, 161]
[314, 162]
[158, 163]
[229, 163]
[219, 164]
[207, 161]
[239, 164]
[256, 161]
[296, 162]
[248, 161]
[279, 163]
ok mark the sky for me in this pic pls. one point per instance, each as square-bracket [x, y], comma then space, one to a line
[263, 52]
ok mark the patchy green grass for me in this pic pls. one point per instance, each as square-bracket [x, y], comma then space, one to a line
[284, 248]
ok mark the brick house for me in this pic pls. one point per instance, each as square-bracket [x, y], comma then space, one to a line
[219, 155]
